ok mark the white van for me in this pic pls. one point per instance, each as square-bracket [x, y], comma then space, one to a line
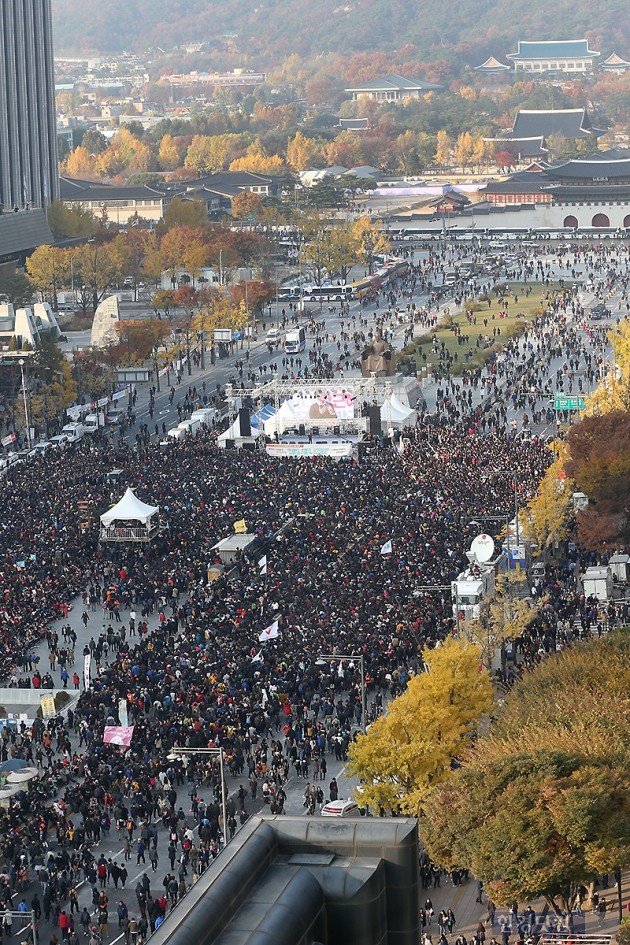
[341, 808]
[273, 336]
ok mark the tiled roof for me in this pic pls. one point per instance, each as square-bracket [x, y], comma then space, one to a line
[107, 193]
[614, 60]
[568, 122]
[492, 65]
[554, 49]
[394, 82]
[603, 166]
[22, 231]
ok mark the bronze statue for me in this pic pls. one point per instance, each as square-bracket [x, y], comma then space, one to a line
[378, 358]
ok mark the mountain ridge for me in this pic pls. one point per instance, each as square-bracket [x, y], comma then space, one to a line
[272, 29]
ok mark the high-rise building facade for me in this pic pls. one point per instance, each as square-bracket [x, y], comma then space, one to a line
[28, 135]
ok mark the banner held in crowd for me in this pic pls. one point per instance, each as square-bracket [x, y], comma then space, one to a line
[118, 735]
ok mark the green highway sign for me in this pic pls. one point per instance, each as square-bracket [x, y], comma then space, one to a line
[562, 402]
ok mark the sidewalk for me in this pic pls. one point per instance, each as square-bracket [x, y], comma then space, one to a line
[468, 912]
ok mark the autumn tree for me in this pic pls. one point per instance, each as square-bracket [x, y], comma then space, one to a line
[613, 391]
[16, 288]
[247, 205]
[80, 163]
[211, 153]
[405, 152]
[48, 268]
[504, 159]
[549, 778]
[257, 161]
[191, 213]
[71, 221]
[411, 749]
[502, 617]
[371, 241]
[344, 150]
[139, 339]
[443, 148]
[599, 450]
[169, 156]
[464, 150]
[95, 271]
[302, 151]
[546, 517]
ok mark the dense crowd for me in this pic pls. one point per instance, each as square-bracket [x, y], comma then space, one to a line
[203, 678]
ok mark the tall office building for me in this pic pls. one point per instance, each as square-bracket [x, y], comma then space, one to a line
[28, 136]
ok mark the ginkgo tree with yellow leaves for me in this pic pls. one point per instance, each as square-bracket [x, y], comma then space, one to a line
[613, 392]
[410, 750]
[546, 518]
[502, 617]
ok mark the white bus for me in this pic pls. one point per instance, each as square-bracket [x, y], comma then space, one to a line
[327, 293]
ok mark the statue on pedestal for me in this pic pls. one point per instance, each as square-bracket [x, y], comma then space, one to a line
[378, 358]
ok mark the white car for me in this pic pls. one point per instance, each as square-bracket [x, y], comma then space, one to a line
[40, 448]
[341, 808]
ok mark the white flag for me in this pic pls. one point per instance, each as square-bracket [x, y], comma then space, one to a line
[122, 713]
[258, 658]
[269, 633]
[262, 564]
[386, 549]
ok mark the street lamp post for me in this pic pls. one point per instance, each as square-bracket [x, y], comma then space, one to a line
[26, 416]
[333, 658]
[29, 918]
[214, 752]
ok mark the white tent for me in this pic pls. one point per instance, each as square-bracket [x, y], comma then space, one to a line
[283, 418]
[234, 434]
[395, 414]
[129, 509]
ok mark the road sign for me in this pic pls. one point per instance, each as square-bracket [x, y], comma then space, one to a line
[562, 402]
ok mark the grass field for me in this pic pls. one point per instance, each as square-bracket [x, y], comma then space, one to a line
[458, 344]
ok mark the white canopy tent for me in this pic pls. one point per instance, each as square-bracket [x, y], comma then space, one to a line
[395, 414]
[130, 520]
[233, 435]
[281, 420]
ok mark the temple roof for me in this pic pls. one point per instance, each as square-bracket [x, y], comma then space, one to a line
[554, 49]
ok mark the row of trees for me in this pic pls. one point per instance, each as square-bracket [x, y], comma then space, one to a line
[536, 804]
[539, 805]
[138, 257]
[184, 156]
[595, 460]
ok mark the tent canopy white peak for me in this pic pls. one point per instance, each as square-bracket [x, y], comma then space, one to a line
[129, 509]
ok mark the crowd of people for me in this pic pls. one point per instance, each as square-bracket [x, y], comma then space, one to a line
[202, 677]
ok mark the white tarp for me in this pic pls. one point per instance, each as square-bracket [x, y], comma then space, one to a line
[395, 414]
[129, 509]
[234, 433]
[284, 417]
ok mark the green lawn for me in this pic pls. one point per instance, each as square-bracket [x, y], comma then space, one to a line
[492, 325]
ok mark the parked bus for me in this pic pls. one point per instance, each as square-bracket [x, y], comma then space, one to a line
[295, 340]
[327, 293]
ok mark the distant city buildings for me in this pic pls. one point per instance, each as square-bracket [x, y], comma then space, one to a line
[238, 79]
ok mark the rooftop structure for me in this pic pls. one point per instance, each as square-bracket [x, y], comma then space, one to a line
[28, 325]
[615, 64]
[392, 88]
[492, 66]
[305, 880]
[554, 56]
